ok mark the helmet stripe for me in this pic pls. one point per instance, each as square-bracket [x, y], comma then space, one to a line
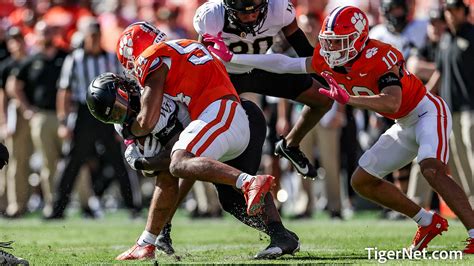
[333, 16]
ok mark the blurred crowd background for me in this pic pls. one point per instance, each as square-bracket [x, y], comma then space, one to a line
[63, 160]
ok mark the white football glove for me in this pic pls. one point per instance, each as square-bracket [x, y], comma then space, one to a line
[132, 154]
[151, 146]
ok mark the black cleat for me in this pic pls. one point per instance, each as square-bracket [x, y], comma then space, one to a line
[9, 259]
[164, 242]
[296, 157]
[280, 244]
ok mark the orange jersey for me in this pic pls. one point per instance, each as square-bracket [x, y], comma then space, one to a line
[376, 59]
[195, 77]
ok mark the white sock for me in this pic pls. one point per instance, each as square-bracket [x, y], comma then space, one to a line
[423, 217]
[471, 233]
[146, 238]
[243, 177]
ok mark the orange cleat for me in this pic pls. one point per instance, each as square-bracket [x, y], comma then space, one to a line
[254, 192]
[425, 234]
[137, 252]
[469, 249]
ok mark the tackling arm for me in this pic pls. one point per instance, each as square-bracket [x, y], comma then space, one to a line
[276, 63]
[151, 100]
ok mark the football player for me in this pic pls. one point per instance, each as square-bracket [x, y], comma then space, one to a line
[219, 130]
[111, 97]
[248, 27]
[370, 74]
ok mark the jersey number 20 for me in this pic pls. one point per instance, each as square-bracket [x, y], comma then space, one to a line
[200, 55]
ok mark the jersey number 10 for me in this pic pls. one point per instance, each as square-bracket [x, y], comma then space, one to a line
[390, 59]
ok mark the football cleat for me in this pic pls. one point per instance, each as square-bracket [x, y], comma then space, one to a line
[469, 249]
[137, 252]
[9, 259]
[296, 157]
[164, 242]
[254, 192]
[425, 234]
[280, 244]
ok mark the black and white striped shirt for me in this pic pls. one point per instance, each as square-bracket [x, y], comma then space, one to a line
[80, 68]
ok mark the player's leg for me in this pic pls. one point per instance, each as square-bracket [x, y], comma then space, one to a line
[163, 241]
[316, 105]
[162, 206]
[295, 87]
[395, 149]
[385, 156]
[221, 133]
[432, 134]
[437, 176]
[282, 241]
[382, 192]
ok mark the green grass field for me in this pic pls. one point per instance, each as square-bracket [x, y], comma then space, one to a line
[78, 241]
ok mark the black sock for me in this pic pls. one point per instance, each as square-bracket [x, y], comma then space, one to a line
[275, 228]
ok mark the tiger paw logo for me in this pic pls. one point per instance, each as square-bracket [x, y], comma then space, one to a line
[126, 47]
[371, 52]
[359, 22]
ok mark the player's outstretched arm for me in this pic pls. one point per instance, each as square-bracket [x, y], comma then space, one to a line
[276, 63]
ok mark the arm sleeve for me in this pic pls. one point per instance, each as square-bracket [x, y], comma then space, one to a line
[276, 63]
[297, 39]
[300, 43]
